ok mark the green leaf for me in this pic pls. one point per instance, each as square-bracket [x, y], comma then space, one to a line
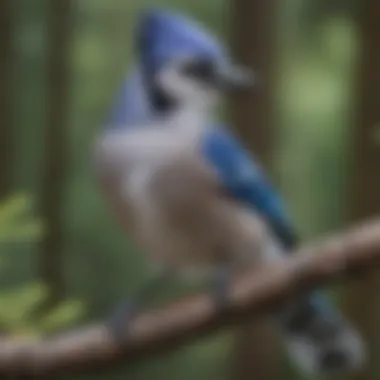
[15, 223]
[14, 207]
[18, 304]
[65, 314]
[26, 232]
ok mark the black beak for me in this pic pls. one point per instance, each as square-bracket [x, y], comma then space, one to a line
[237, 79]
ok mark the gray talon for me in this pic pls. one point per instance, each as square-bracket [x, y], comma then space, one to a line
[119, 321]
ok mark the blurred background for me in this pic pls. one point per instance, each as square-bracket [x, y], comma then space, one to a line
[64, 260]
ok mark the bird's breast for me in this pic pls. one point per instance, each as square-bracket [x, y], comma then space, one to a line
[170, 204]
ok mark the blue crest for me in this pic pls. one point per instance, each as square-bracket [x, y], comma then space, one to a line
[160, 36]
[163, 35]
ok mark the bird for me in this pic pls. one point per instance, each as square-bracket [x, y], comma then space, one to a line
[192, 198]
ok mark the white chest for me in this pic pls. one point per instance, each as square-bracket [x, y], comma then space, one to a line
[133, 159]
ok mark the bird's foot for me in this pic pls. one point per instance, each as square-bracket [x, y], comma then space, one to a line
[119, 322]
[220, 290]
[221, 301]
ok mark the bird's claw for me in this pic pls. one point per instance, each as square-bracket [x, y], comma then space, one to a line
[220, 292]
[221, 300]
[119, 321]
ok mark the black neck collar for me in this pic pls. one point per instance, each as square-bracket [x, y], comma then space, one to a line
[157, 99]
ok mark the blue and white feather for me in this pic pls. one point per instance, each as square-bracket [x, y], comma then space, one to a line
[317, 336]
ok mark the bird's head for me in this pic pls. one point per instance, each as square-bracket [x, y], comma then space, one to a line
[184, 65]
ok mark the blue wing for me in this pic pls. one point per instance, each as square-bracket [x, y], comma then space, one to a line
[244, 180]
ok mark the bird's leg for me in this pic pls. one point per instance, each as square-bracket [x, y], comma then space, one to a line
[220, 286]
[120, 319]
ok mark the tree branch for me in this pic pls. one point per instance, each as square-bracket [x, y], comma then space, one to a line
[156, 331]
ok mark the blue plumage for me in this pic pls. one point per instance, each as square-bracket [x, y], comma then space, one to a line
[244, 180]
[240, 174]
[163, 35]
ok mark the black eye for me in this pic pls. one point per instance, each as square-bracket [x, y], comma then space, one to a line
[202, 69]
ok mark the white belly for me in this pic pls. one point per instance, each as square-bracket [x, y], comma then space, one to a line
[174, 208]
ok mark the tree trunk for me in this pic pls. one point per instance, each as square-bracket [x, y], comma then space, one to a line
[53, 183]
[6, 55]
[362, 297]
[255, 351]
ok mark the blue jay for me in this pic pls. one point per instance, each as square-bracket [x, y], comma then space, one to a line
[190, 196]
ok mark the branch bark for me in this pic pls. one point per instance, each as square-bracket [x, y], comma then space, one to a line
[157, 331]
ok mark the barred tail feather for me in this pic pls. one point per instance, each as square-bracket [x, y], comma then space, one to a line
[319, 340]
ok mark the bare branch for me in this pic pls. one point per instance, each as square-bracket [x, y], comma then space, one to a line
[156, 331]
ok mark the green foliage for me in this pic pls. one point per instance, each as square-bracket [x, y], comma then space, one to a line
[17, 226]
[15, 223]
[315, 96]
[18, 304]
